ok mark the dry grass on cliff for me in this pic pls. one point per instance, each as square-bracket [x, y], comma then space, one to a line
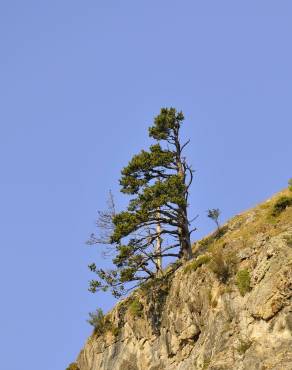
[219, 251]
[270, 217]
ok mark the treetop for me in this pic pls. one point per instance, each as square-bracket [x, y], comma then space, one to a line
[167, 121]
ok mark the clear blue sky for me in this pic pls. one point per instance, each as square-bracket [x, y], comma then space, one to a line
[80, 82]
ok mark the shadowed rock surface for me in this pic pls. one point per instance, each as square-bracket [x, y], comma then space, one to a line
[206, 314]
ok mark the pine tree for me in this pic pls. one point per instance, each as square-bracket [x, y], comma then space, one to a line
[214, 215]
[155, 224]
[105, 227]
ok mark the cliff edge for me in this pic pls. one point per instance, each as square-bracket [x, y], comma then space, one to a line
[230, 307]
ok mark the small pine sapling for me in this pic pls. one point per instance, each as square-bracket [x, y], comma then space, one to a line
[214, 215]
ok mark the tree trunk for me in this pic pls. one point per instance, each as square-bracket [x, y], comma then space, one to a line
[185, 240]
[158, 246]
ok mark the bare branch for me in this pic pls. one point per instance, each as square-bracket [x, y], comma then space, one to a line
[184, 145]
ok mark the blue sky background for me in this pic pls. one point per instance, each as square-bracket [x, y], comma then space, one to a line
[80, 82]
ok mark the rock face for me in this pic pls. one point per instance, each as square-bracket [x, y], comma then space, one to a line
[207, 315]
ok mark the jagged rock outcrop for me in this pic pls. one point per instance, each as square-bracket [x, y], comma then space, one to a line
[206, 314]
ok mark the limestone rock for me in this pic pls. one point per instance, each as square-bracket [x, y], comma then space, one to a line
[200, 323]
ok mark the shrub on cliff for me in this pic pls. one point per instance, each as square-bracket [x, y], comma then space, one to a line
[222, 263]
[73, 366]
[136, 308]
[243, 281]
[280, 205]
[198, 262]
[102, 323]
[97, 320]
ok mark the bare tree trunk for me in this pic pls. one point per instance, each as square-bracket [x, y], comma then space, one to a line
[186, 242]
[186, 252]
[158, 245]
[184, 233]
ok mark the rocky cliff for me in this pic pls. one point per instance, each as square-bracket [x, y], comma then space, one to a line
[228, 308]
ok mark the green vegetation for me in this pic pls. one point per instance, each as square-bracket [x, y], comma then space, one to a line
[222, 263]
[130, 364]
[203, 245]
[245, 227]
[288, 240]
[154, 293]
[290, 184]
[73, 366]
[280, 205]
[243, 281]
[101, 323]
[221, 232]
[198, 262]
[244, 345]
[97, 320]
[155, 224]
[136, 308]
[214, 214]
[206, 364]
[211, 241]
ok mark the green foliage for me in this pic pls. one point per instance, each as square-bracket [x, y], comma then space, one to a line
[167, 122]
[97, 320]
[211, 241]
[108, 279]
[136, 308]
[214, 214]
[101, 323]
[144, 167]
[170, 191]
[159, 282]
[290, 184]
[130, 364]
[244, 345]
[220, 232]
[155, 224]
[280, 205]
[198, 262]
[73, 366]
[115, 330]
[155, 292]
[206, 364]
[204, 244]
[243, 281]
[222, 263]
